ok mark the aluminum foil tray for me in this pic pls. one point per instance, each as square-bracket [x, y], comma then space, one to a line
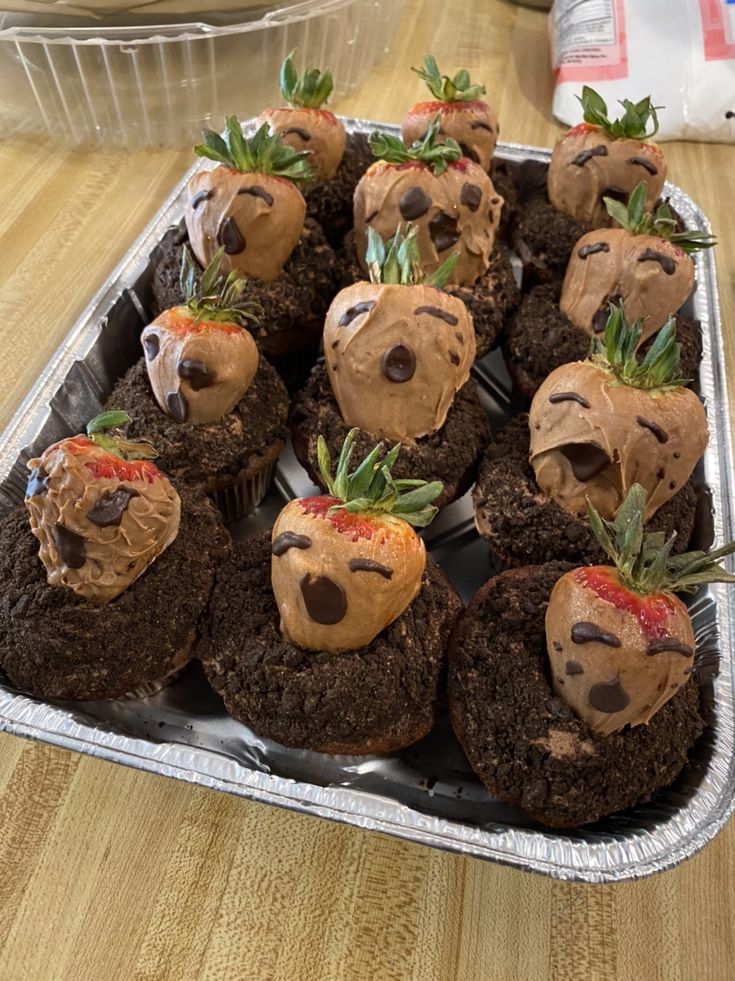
[427, 793]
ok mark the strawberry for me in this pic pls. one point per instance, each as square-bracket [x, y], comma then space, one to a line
[619, 641]
[601, 425]
[305, 126]
[347, 564]
[250, 205]
[645, 263]
[200, 357]
[398, 348]
[100, 509]
[451, 199]
[602, 158]
[464, 117]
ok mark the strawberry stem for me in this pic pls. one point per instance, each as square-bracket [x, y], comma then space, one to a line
[216, 298]
[617, 352]
[632, 125]
[427, 150]
[308, 91]
[661, 223]
[112, 419]
[399, 261]
[446, 89]
[372, 488]
[263, 153]
[644, 561]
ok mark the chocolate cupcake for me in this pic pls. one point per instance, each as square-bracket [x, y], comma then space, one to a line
[251, 207]
[398, 357]
[571, 690]
[330, 635]
[597, 159]
[215, 409]
[595, 427]
[644, 264]
[112, 598]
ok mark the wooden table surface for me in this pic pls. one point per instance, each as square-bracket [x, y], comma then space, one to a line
[108, 872]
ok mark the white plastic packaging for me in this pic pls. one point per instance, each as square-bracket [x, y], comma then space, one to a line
[680, 52]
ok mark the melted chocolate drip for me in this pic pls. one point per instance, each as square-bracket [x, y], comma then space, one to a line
[151, 346]
[478, 124]
[569, 397]
[303, 133]
[573, 667]
[110, 507]
[581, 159]
[287, 540]
[437, 312]
[324, 599]
[196, 373]
[471, 196]
[349, 315]
[371, 216]
[585, 459]
[454, 357]
[230, 236]
[37, 482]
[201, 197]
[593, 249]
[646, 164]
[667, 263]
[258, 192]
[443, 231]
[177, 406]
[414, 203]
[661, 435]
[398, 364]
[368, 565]
[585, 632]
[660, 644]
[70, 547]
[608, 697]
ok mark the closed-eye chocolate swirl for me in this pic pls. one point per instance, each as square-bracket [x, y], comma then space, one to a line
[287, 540]
[585, 632]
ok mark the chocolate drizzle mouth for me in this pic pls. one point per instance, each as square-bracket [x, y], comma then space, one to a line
[667, 263]
[110, 507]
[369, 565]
[609, 697]
[231, 237]
[289, 539]
[437, 312]
[581, 159]
[443, 231]
[196, 373]
[258, 192]
[399, 364]
[324, 599]
[177, 406]
[585, 632]
[70, 547]
[585, 459]
[349, 315]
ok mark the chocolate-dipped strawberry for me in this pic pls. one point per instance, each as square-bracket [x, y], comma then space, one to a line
[620, 643]
[100, 509]
[398, 348]
[599, 426]
[347, 564]
[645, 263]
[464, 117]
[250, 205]
[304, 125]
[450, 198]
[606, 158]
[200, 357]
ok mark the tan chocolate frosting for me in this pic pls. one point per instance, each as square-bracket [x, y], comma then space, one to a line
[458, 211]
[587, 165]
[198, 372]
[258, 219]
[602, 663]
[337, 589]
[99, 533]
[653, 278]
[317, 132]
[594, 437]
[474, 125]
[396, 356]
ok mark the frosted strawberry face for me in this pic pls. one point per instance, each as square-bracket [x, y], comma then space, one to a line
[341, 578]
[396, 356]
[616, 656]
[198, 371]
[587, 165]
[100, 520]
[317, 132]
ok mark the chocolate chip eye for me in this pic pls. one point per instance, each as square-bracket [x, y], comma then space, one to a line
[200, 198]
[110, 507]
[471, 196]
[414, 203]
[398, 364]
[151, 346]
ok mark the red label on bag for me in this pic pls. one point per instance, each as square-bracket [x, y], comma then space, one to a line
[591, 44]
[718, 30]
